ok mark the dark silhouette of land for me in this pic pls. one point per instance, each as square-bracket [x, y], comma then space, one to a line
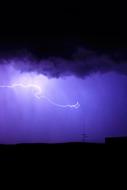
[116, 140]
[39, 151]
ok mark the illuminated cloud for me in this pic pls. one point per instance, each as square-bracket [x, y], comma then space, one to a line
[82, 63]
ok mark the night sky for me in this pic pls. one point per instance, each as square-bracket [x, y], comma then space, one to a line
[49, 67]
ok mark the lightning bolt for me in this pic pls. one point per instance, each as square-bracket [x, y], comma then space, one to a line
[38, 94]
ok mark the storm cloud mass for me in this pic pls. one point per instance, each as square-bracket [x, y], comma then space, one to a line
[81, 63]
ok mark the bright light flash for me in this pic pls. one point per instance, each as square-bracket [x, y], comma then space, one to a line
[38, 94]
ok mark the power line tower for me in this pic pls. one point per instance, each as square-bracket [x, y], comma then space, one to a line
[84, 131]
[84, 136]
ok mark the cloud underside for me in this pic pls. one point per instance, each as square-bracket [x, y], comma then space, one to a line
[82, 63]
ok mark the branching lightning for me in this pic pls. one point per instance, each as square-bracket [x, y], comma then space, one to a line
[38, 94]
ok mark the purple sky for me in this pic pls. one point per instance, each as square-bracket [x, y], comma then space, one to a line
[101, 93]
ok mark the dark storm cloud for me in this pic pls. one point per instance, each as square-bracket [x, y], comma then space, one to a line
[82, 63]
